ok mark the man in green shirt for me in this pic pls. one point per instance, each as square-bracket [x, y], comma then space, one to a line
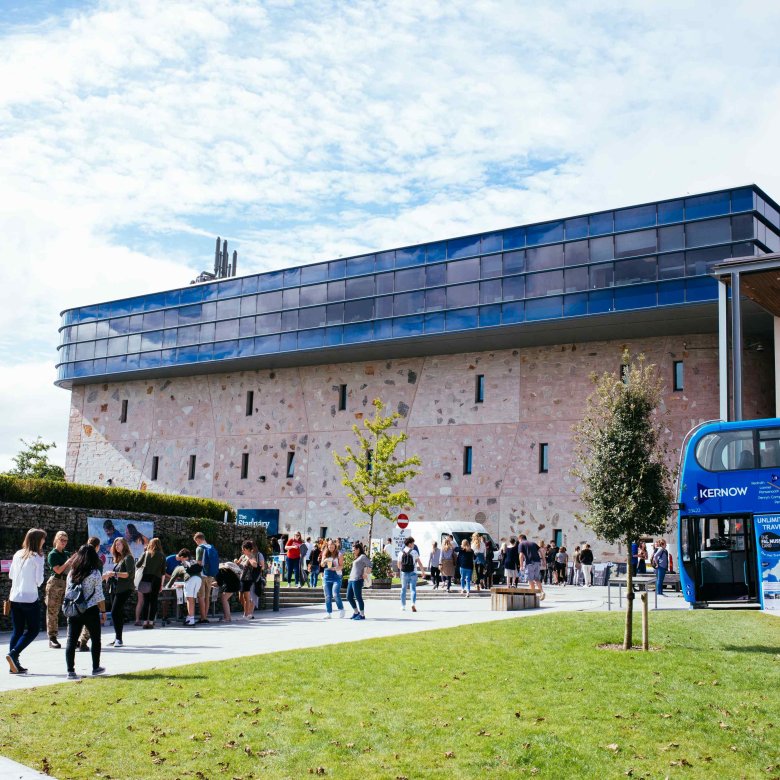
[55, 587]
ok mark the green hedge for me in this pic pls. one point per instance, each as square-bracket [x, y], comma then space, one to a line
[54, 493]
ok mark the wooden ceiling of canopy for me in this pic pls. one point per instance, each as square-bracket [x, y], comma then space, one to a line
[763, 287]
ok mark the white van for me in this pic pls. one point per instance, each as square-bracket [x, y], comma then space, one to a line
[426, 533]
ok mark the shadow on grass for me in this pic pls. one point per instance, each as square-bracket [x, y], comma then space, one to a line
[759, 649]
[153, 676]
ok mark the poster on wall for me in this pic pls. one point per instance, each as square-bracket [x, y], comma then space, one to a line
[768, 549]
[136, 533]
[268, 518]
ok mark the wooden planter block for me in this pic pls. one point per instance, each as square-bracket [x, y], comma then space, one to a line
[512, 599]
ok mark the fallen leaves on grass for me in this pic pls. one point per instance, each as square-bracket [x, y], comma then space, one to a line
[449, 754]
[613, 747]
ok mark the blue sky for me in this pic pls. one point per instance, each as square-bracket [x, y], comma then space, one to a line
[133, 133]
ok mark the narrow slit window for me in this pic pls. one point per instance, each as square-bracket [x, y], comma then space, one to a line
[544, 458]
[290, 464]
[244, 465]
[123, 413]
[369, 461]
[624, 373]
[250, 402]
[467, 460]
[479, 391]
[155, 467]
[679, 375]
[342, 398]
[191, 473]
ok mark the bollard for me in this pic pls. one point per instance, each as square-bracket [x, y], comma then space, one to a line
[277, 587]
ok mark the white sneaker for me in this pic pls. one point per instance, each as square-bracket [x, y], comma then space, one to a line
[403, 609]
[118, 643]
[327, 616]
[342, 613]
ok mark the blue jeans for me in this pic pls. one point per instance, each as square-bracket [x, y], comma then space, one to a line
[465, 580]
[355, 595]
[408, 579]
[314, 576]
[331, 583]
[26, 621]
[660, 573]
[294, 567]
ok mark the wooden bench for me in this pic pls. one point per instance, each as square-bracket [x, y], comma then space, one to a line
[511, 599]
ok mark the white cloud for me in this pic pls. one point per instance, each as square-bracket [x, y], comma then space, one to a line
[310, 130]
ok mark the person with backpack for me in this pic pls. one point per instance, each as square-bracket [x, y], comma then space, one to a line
[83, 605]
[510, 562]
[26, 575]
[189, 572]
[530, 559]
[409, 560]
[121, 583]
[208, 558]
[152, 565]
[447, 562]
[661, 564]
[552, 571]
[586, 557]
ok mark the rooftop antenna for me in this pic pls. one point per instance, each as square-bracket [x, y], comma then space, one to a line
[223, 268]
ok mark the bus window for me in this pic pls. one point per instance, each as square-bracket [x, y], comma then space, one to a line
[726, 451]
[769, 448]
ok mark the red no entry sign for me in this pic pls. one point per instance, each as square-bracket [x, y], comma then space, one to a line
[402, 521]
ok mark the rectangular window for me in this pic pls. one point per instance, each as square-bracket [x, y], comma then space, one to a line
[250, 402]
[290, 465]
[479, 393]
[678, 375]
[558, 537]
[191, 472]
[244, 465]
[467, 453]
[544, 463]
[342, 398]
[155, 467]
[123, 413]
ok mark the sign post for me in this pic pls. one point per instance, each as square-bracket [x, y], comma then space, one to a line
[767, 530]
[400, 535]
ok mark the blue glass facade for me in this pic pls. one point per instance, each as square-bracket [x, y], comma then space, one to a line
[641, 257]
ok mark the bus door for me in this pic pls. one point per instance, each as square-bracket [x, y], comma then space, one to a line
[724, 557]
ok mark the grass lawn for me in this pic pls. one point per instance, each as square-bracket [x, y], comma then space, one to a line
[529, 697]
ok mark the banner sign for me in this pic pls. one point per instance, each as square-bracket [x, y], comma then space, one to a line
[136, 533]
[267, 518]
[768, 549]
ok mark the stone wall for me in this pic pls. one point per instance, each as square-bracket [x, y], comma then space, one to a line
[17, 519]
[532, 396]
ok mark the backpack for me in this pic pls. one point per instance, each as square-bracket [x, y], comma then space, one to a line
[210, 560]
[74, 602]
[194, 569]
[407, 562]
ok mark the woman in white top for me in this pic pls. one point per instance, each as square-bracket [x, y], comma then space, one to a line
[26, 575]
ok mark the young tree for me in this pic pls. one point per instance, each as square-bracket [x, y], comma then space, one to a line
[374, 478]
[33, 461]
[622, 457]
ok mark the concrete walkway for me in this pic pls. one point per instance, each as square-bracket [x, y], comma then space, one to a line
[289, 629]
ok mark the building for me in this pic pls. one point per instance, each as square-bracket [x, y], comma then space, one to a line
[241, 389]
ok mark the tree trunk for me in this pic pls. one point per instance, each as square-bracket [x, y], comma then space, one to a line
[370, 534]
[645, 625]
[628, 635]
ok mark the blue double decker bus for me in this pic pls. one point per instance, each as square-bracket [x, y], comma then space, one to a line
[729, 481]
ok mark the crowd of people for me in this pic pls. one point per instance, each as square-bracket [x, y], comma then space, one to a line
[79, 586]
